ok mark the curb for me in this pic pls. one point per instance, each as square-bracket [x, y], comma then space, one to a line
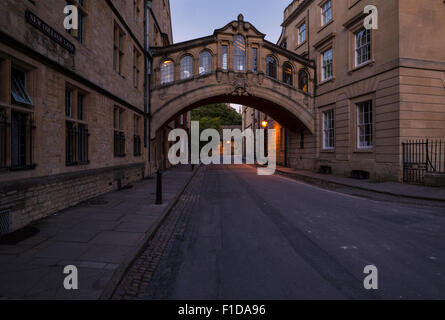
[311, 180]
[124, 266]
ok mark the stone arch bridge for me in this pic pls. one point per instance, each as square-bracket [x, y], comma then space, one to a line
[234, 65]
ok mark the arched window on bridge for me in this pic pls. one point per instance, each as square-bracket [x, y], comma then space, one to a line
[303, 81]
[167, 72]
[240, 53]
[288, 77]
[271, 67]
[186, 67]
[205, 63]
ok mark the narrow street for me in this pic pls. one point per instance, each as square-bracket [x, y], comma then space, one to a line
[235, 235]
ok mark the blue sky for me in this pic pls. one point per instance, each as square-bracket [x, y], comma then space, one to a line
[198, 18]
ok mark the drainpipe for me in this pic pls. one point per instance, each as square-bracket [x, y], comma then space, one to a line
[147, 74]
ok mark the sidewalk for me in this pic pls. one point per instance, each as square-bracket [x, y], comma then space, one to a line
[100, 237]
[391, 188]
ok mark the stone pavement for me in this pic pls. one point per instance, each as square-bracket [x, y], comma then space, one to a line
[100, 237]
[390, 188]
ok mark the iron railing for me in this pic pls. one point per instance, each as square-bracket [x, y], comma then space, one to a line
[119, 144]
[16, 142]
[421, 157]
[76, 144]
[137, 143]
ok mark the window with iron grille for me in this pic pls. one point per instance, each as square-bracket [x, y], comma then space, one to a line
[76, 144]
[76, 135]
[119, 144]
[137, 141]
[21, 132]
[119, 135]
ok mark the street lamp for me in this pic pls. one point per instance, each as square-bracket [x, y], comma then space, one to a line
[264, 124]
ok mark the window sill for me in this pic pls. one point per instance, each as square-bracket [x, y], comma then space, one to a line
[328, 150]
[301, 45]
[326, 81]
[369, 63]
[321, 28]
[75, 164]
[29, 167]
[364, 150]
[122, 156]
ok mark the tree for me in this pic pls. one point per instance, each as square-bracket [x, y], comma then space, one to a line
[227, 116]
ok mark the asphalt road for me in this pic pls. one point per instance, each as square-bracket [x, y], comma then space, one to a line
[271, 237]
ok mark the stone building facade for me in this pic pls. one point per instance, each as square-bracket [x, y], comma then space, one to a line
[74, 104]
[374, 89]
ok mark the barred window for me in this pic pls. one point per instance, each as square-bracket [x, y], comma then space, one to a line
[186, 67]
[76, 144]
[167, 71]
[271, 67]
[77, 135]
[362, 46]
[119, 135]
[205, 63]
[21, 140]
[364, 125]
[288, 74]
[327, 65]
[239, 53]
[137, 141]
[328, 130]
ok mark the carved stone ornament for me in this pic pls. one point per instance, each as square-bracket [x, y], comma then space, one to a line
[240, 85]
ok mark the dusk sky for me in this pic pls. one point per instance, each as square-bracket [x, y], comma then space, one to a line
[198, 18]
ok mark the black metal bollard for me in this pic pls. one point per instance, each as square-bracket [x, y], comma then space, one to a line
[159, 187]
[193, 167]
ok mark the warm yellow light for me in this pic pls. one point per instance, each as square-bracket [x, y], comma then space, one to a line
[264, 124]
[229, 142]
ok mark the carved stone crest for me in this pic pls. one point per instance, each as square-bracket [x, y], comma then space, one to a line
[240, 85]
